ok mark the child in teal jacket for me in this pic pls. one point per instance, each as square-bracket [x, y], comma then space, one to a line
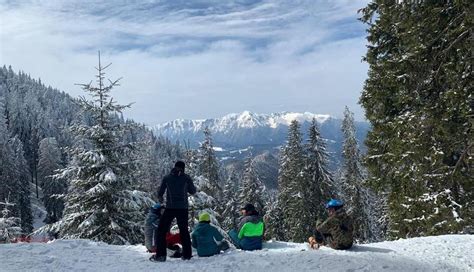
[206, 238]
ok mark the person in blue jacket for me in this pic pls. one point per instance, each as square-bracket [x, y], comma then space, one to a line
[151, 225]
[206, 239]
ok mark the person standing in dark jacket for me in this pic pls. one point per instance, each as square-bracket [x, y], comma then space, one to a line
[177, 186]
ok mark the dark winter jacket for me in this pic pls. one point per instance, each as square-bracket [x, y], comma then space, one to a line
[177, 186]
[337, 230]
[151, 223]
[251, 230]
[205, 238]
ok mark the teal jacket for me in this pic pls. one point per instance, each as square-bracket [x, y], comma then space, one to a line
[205, 238]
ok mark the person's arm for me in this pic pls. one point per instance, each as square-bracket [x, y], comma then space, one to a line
[194, 240]
[217, 235]
[242, 232]
[162, 190]
[191, 187]
[326, 226]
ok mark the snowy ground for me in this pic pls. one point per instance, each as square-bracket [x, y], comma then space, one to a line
[442, 253]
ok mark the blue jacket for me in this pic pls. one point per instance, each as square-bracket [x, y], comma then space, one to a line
[151, 224]
[205, 238]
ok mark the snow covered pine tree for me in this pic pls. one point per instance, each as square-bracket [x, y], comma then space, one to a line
[101, 203]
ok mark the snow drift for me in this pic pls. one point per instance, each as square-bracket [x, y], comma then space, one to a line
[440, 253]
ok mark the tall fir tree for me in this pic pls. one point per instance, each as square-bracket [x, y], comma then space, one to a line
[418, 99]
[354, 192]
[274, 227]
[101, 203]
[7, 166]
[9, 225]
[209, 166]
[251, 188]
[230, 213]
[53, 188]
[22, 200]
[201, 201]
[319, 182]
[291, 181]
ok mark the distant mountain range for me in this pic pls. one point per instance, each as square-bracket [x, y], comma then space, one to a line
[237, 135]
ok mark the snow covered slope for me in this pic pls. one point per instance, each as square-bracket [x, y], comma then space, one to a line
[441, 253]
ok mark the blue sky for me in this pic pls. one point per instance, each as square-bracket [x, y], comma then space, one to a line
[195, 59]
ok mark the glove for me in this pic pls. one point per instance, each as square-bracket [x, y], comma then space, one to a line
[312, 243]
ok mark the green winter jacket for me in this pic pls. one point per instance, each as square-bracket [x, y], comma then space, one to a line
[251, 230]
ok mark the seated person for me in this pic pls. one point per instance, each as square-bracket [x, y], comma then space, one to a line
[337, 231]
[250, 230]
[206, 239]
[151, 228]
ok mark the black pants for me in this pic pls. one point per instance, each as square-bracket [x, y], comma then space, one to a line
[166, 219]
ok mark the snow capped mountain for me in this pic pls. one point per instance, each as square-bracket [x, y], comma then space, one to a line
[234, 121]
[237, 135]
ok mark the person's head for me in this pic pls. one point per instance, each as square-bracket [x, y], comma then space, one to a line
[204, 218]
[248, 209]
[180, 165]
[334, 205]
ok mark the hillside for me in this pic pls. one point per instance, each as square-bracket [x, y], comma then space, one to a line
[441, 253]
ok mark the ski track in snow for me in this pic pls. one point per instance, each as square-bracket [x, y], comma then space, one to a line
[441, 253]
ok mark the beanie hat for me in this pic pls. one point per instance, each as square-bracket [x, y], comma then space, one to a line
[180, 164]
[249, 208]
[157, 206]
[204, 217]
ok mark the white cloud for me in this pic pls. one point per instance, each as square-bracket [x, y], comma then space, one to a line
[196, 61]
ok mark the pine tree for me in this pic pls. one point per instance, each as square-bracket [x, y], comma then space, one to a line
[318, 181]
[418, 99]
[251, 188]
[53, 188]
[201, 201]
[274, 227]
[230, 212]
[209, 167]
[9, 225]
[354, 192]
[291, 181]
[22, 191]
[101, 203]
[7, 167]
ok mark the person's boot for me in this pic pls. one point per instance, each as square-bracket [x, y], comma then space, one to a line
[177, 254]
[186, 258]
[159, 259]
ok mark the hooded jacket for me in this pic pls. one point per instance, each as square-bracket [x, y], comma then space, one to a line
[205, 238]
[251, 230]
[177, 185]
[339, 229]
[151, 224]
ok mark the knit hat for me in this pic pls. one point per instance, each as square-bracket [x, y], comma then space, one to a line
[180, 165]
[204, 217]
[249, 208]
[157, 206]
